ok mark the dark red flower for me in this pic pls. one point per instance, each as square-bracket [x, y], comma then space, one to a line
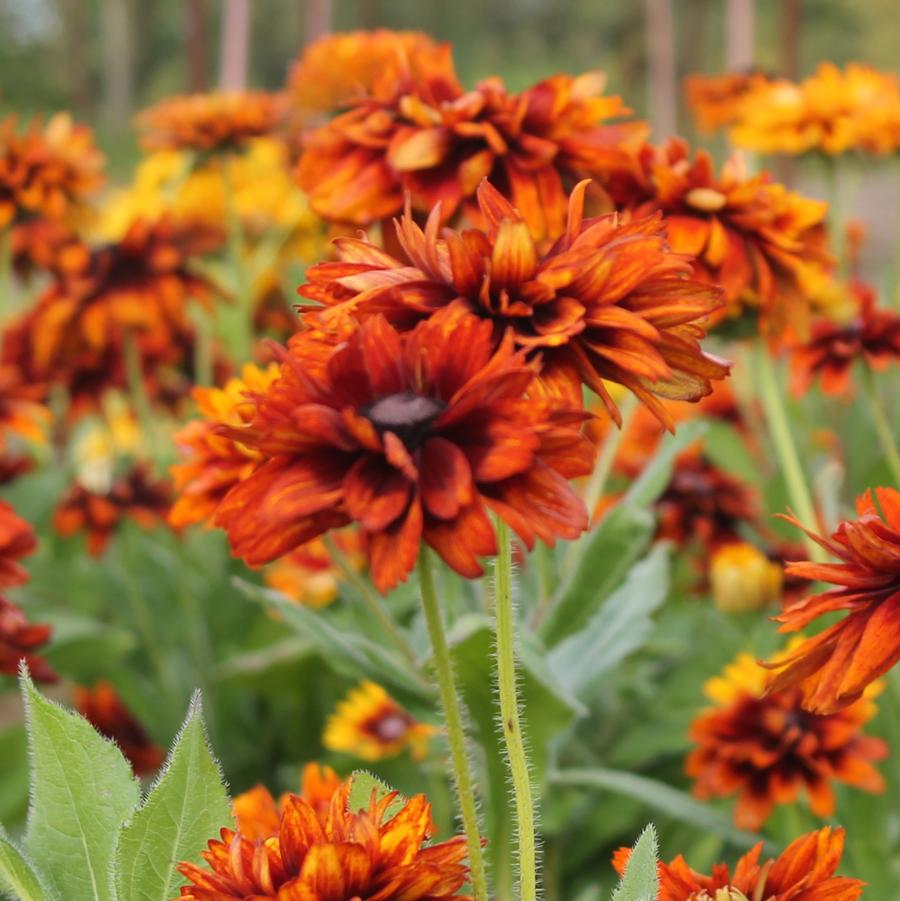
[19, 640]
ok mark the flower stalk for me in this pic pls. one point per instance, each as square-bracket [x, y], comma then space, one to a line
[882, 424]
[242, 333]
[455, 731]
[517, 758]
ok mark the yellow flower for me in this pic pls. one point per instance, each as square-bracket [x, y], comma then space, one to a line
[371, 725]
[743, 578]
[97, 450]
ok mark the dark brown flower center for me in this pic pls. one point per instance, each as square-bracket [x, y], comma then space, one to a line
[407, 415]
[390, 727]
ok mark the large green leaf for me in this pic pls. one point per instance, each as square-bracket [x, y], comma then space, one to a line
[19, 880]
[362, 784]
[82, 791]
[640, 881]
[621, 625]
[610, 550]
[187, 806]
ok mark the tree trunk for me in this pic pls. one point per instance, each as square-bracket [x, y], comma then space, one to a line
[739, 35]
[659, 27]
[316, 19]
[74, 20]
[118, 51]
[235, 53]
[196, 30]
[791, 22]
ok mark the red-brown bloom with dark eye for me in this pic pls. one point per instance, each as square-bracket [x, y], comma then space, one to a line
[364, 855]
[608, 301]
[804, 871]
[873, 335]
[413, 436]
[102, 707]
[19, 640]
[834, 667]
[136, 496]
[418, 131]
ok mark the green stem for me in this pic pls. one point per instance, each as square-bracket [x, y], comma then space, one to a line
[882, 424]
[243, 319]
[135, 374]
[455, 732]
[779, 428]
[7, 293]
[373, 602]
[204, 367]
[510, 719]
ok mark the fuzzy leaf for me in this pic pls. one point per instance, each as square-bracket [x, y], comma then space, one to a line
[362, 784]
[18, 879]
[619, 627]
[82, 791]
[185, 808]
[640, 881]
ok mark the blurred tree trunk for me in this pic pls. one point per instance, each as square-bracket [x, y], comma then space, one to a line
[659, 27]
[196, 40]
[73, 14]
[791, 23]
[370, 14]
[235, 51]
[739, 35]
[317, 19]
[118, 62]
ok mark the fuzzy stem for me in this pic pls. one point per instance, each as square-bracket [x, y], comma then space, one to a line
[785, 448]
[455, 732]
[882, 424]
[509, 714]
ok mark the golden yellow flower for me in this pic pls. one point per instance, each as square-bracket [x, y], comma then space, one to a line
[743, 578]
[371, 725]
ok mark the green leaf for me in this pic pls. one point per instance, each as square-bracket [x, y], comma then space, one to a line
[652, 481]
[362, 784]
[186, 807]
[82, 791]
[657, 796]
[620, 626]
[640, 881]
[609, 551]
[18, 879]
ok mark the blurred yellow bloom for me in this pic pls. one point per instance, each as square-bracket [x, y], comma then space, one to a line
[743, 578]
[97, 450]
[371, 725]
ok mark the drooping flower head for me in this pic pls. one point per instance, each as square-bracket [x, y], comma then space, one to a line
[47, 171]
[419, 132]
[764, 244]
[258, 814]
[609, 301]
[347, 854]
[768, 750]
[872, 336]
[413, 436]
[719, 100]
[371, 725]
[102, 707]
[834, 667]
[212, 462]
[209, 123]
[804, 871]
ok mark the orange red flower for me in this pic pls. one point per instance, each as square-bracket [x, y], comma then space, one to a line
[764, 244]
[767, 749]
[346, 854]
[872, 335]
[371, 725]
[419, 132]
[719, 100]
[102, 707]
[209, 123]
[135, 495]
[609, 301]
[20, 640]
[17, 540]
[413, 441]
[212, 462]
[833, 668]
[804, 871]
[47, 171]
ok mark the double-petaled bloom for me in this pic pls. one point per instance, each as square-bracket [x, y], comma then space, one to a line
[47, 171]
[102, 707]
[213, 463]
[371, 725]
[871, 336]
[344, 854]
[418, 131]
[209, 123]
[608, 302]
[413, 436]
[767, 749]
[804, 871]
[834, 668]
[764, 244]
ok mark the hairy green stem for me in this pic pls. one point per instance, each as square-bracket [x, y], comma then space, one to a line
[777, 422]
[882, 424]
[455, 731]
[517, 759]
